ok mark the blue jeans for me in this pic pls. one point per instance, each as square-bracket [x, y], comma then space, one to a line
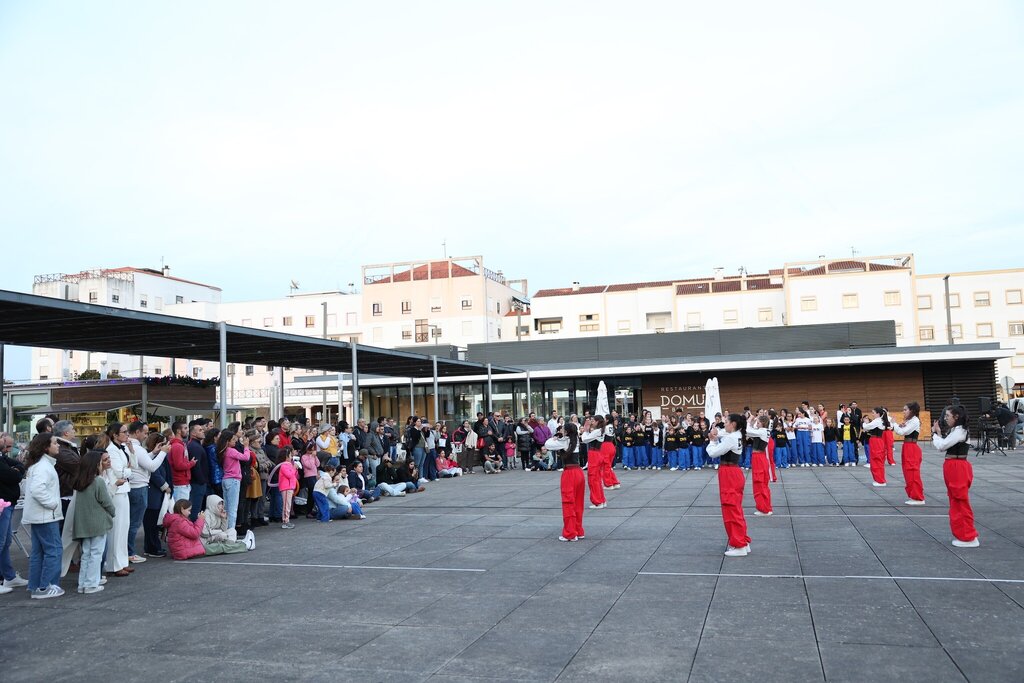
[6, 538]
[44, 563]
[849, 452]
[276, 504]
[197, 496]
[231, 488]
[418, 456]
[138, 499]
[92, 561]
[181, 492]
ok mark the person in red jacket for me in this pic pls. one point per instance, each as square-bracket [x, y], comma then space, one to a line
[184, 536]
[181, 464]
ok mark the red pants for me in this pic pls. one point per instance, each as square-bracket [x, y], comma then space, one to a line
[889, 439]
[958, 475]
[595, 475]
[877, 452]
[910, 460]
[573, 490]
[760, 473]
[608, 474]
[771, 460]
[730, 492]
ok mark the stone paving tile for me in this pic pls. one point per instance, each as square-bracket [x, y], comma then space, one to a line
[879, 662]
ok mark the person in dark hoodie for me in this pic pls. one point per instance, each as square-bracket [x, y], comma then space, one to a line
[11, 474]
[201, 472]
[67, 462]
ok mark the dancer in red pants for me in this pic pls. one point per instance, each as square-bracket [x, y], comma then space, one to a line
[572, 486]
[729, 447]
[889, 439]
[875, 425]
[609, 480]
[760, 465]
[950, 437]
[594, 437]
[910, 455]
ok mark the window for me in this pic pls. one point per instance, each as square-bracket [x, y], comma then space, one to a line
[159, 303]
[764, 315]
[924, 302]
[378, 334]
[158, 371]
[310, 321]
[956, 331]
[268, 322]
[286, 321]
[435, 304]
[41, 376]
[954, 300]
[851, 301]
[984, 330]
[467, 328]
[351, 319]
[1017, 329]
[589, 317]
[893, 298]
[467, 303]
[660, 321]
[899, 330]
[982, 299]
[94, 296]
[808, 303]
[378, 308]
[549, 326]
[143, 301]
[730, 315]
[589, 327]
[309, 371]
[115, 298]
[44, 353]
[249, 370]
[246, 322]
[406, 307]
[523, 331]
[406, 332]
[1013, 296]
[624, 327]
[1017, 361]
[196, 371]
[115, 367]
[497, 309]
[927, 333]
[270, 368]
[693, 322]
[422, 330]
[179, 299]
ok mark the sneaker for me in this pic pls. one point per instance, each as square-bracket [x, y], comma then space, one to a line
[48, 592]
[878, 484]
[362, 516]
[758, 513]
[957, 542]
[92, 589]
[573, 540]
[103, 580]
[16, 582]
[580, 537]
[616, 486]
[563, 539]
[4, 588]
[135, 559]
[913, 502]
[159, 554]
[287, 526]
[598, 507]
[737, 552]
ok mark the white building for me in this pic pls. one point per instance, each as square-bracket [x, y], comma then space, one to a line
[137, 289]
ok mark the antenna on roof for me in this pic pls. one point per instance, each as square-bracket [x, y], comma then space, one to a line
[853, 251]
[294, 286]
[444, 246]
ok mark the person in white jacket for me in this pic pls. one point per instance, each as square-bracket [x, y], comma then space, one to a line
[118, 476]
[43, 515]
[950, 437]
[729, 447]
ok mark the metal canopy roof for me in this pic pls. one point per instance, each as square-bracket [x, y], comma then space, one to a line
[31, 320]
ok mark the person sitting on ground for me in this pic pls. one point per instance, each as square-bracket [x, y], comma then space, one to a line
[447, 467]
[543, 459]
[407, 473]
[492, 460]
[184, 537]
[329, 504]
[387, 478]
[358, 483]
[216, 528]
[353, 499]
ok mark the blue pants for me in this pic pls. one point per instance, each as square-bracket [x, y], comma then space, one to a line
[44, 562]
[6, 538]
[657, 457]
[818, 453]
[91, 569]
[745, 458]
[357, 509]
[429, 469]
[628, 456]
[700, 458]
[849, 452]
[781, 457]
[418, 456]
[673, 457]
[276, 504]
[231, 487]
[643, 456]
[831, 452]
[803, 446]
[138, 499]
[197, 496]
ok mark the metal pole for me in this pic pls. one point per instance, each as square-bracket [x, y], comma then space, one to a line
[341, 391]
[174, 371]
[355, 384]
[490, 403]
[234, 370]
[280, 394]
[323, 415]
[949, 313]
[145, 402]
[223, 375]
[436, 398]
[412, 396]
[529, 395]
[3, 391]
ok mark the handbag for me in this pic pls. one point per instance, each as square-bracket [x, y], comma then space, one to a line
[166, 508]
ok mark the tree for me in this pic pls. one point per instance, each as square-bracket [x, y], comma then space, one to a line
[114, 374]
[89, 374]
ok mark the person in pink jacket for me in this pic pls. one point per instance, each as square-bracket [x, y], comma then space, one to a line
[287, 480]
[184, 535]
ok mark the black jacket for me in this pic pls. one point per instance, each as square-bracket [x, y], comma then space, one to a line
[11, 474]
[67, 467]
[201, 472]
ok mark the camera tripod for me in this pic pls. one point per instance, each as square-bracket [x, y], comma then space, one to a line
[989, 442]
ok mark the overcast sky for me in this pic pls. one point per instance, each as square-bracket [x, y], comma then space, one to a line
[250, 143]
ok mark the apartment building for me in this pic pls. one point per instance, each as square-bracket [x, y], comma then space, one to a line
[984, 305]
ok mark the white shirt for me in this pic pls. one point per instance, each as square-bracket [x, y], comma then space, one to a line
[801, 423]
[758, 433]
[593, 435]
[553, 425]
[911, 425]
[729, 441]
[144, 465]
[874, 424]
[817, 433]
[120, 468]
[957, 435]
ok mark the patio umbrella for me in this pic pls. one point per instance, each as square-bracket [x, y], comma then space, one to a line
[602, 400]
[712, 400]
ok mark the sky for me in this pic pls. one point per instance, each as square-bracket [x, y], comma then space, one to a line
[251, 143]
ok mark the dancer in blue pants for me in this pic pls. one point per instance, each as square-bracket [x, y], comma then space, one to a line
[781, 445]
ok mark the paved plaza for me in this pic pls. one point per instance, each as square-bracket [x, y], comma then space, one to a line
[467, 582]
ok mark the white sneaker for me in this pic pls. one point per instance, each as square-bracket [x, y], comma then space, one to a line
[879, 485]
[672, 469]
[758, 513]
[5, 589]
[957, 542]
[136, 559]
[616, 486]
[563, 539]
[737, 552]
[913, 502]
[103, 580]
[598, 507]
[716, 467]
[16, 582]
[48, 592]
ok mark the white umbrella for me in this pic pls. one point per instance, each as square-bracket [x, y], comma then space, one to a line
[712, 400]
[602, 400]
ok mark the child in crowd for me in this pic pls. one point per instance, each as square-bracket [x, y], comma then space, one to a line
[287, 481]
[831, 437]
[353, 500]
[447, 467]
[817, 442]
[94, 517]
[184, 537]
